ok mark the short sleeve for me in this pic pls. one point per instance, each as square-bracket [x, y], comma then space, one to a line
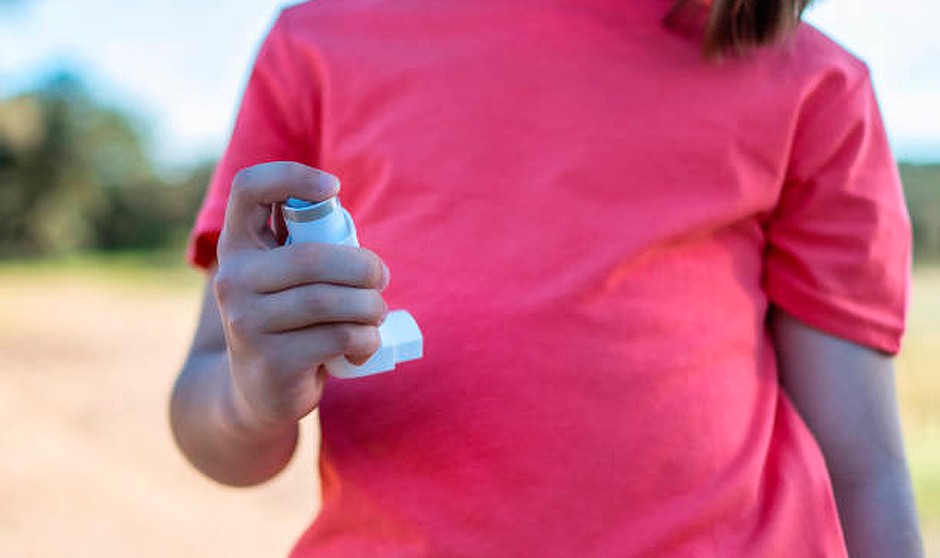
[839, 242]
[276, 121]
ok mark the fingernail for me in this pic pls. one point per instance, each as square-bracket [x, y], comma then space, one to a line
[327, 181]
[386, 276]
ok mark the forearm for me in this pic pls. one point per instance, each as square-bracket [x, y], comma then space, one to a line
[846, 395]
[878, 515]
[213, 432]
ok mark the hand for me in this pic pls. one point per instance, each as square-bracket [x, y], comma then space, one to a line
[286, 310]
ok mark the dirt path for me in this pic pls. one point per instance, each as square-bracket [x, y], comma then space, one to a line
[88, 466]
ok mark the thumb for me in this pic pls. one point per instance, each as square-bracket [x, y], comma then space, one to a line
[255, 189]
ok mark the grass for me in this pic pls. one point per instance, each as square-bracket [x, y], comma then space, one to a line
[144, 269]
[89, 349]
[919, 391]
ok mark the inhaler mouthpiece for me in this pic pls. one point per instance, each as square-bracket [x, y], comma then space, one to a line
[327, 221]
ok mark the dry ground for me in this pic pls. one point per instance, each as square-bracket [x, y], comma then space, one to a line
[88, 469]
[87, 358]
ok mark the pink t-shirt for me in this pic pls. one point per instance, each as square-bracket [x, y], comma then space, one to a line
[589, 222]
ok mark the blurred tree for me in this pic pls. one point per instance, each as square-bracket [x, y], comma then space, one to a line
[75, 174]
[922, 189]
[60, 149]
[152, 214]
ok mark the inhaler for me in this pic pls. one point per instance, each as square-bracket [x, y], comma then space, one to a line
[327, 221]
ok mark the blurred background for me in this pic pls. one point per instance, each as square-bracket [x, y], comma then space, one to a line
[111, 115]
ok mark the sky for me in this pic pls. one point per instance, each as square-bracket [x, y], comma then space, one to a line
[180, 65]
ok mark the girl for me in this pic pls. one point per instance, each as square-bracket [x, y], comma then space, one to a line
[660, 291]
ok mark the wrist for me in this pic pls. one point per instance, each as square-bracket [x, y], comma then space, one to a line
[222, 441]
[243, 423]
[878, 515]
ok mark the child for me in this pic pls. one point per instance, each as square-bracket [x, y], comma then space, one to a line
[659, 290]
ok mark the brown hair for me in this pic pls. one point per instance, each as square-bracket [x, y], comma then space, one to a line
[737, 25]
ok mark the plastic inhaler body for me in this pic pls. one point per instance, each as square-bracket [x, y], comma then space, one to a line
[328, 222]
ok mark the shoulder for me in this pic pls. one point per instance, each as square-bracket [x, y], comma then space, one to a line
[314, 12]
[350, 23]
[317, 8]
[319, 15]
[818, 65]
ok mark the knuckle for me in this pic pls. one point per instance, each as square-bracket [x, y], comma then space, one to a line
[240, 324]
[361, 340]
[372, 269]
[370, 340]
[360, 343]
[295, 172]
[243, 179]
[378, 307]
[319, 301]
[345, 336]
[224, 286]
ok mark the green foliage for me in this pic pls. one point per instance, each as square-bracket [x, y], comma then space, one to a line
[47, 196]
[922, 189]
[151, 214]
[76, 175]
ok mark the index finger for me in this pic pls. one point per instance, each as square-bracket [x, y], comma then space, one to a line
[255, 189]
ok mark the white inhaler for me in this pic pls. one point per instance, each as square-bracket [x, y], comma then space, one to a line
[327, 221]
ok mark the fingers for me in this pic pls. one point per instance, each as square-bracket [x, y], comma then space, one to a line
[281, 376]
[256, 188]
[309, 305]
[299, 264]
[295, 350]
